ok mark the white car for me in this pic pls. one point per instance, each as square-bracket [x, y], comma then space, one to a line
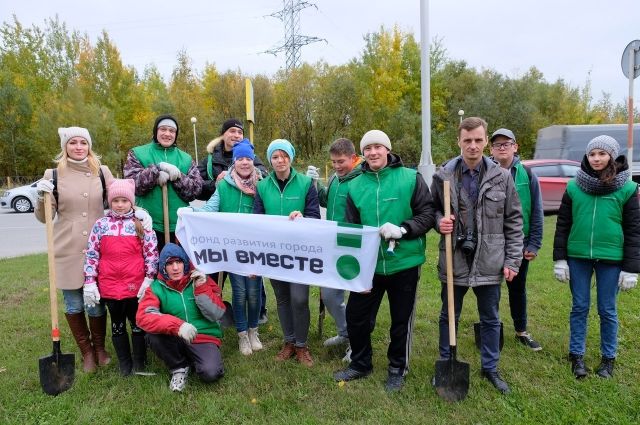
[22, 199]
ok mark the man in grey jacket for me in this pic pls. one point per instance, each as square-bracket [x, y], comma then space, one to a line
[486, 225]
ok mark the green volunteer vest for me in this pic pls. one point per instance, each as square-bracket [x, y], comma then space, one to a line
[385, 196]
[153, 153]
[292, 198]
[337, 194]
[233, 199]
[523, 188]
[596, 231]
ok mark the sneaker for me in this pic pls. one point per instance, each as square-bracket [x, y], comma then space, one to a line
[496, 380]
[605, 369]
[350, 374]
[179, 379]
[287, 351]
[336, 340]
[527, 340]
[395, 382]
[578, 368]
[244, 344]
[304, 356]
[263, 318]
[256, 345]
[347, 355]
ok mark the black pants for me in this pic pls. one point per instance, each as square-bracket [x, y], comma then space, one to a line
[176, 353]
[120, 311]
[362, 310]
[160, 236]
[518, 297]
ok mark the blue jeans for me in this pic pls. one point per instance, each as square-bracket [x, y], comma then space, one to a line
[74, 303]
[607, 293]
[246, 300]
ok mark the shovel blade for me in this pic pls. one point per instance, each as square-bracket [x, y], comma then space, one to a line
[57, 372]
[452, 379]
[227, 320]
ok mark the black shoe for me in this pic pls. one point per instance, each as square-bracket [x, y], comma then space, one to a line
[578, 368]
[605, 370]
[527, 340]
[496, 381]
[350, 374]
[395, 382]
[123, 351]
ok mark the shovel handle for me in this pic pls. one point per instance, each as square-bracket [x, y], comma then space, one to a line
[165, 213]
[451, 313]
[53, 294]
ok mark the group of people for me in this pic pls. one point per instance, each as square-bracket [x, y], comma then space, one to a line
[111, 259]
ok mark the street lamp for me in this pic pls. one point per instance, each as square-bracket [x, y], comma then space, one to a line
[460, 113]
[194, 120]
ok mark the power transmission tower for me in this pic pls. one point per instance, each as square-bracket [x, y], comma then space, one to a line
[293, 41]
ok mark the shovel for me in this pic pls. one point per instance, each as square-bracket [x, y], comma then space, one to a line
[452, 376]
[57, 370]
[165, 214]
[227, 320]
[321, 314]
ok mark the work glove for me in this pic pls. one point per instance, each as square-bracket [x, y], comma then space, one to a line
[143, 288]
[163, 178]
[390, 231]
[144, 217]
[627, 281]
[198, 277]
[187, 332]
[561, 270]
[44, 186]
[91, 295]
[183, 209]
[172, 170]
[313, 172]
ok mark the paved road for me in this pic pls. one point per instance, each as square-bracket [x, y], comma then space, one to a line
[20, 234]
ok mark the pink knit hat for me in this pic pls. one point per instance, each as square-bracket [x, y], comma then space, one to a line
[122, 188]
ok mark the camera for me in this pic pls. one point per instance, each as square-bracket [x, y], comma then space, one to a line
[467, 243]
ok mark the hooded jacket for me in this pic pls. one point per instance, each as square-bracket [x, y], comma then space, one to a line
[334, 196]
[167, 304]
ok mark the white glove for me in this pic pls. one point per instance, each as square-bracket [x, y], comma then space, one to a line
[561, 270]
[627, 281]
[91, 295]
[44, 186]
[172, 170]
[187, 332]
[163, 178]
[390, 231]
[145, 219]
[198, 277]
[143, 288]
[183, 209]
[313, 172]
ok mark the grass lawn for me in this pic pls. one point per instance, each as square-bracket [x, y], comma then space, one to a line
[256, 389]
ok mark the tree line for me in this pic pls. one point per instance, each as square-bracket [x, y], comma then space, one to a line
[51, 76]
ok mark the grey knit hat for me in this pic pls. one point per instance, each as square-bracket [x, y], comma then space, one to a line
[606, 143]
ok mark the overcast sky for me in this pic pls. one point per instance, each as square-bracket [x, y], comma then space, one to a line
[574, 40]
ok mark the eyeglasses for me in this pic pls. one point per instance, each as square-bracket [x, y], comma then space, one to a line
[501, 146]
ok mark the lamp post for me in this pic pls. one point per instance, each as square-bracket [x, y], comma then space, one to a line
[194, 120]
[460, 114]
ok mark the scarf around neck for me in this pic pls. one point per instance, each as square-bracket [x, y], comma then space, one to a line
[246, 185]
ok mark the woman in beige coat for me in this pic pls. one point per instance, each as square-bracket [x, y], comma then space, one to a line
[78, 203]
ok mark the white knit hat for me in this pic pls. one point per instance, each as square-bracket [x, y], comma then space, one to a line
[373, 137]
[67, 133]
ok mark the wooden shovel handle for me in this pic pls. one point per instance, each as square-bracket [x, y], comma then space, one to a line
[53, 294]
[449, 260]
[165, 213]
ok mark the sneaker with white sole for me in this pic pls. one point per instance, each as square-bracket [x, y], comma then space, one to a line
[527, 340]
[336, 340]
[256, 345]
[179, 379]
[244, 344]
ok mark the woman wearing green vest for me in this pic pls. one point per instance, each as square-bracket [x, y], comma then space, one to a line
[289, 193]
[598, 230]
[235, 194]
[158, 163]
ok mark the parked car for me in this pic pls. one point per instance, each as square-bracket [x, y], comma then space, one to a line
[553, 175]
[22, 199]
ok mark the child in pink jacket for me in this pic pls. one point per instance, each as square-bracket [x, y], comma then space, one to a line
[121, 262]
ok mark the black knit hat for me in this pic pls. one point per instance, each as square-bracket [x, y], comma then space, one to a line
[233, 122]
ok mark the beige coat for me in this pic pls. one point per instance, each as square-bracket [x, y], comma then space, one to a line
[80, 205]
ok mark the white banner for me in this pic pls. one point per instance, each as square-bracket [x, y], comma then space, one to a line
[308, 251]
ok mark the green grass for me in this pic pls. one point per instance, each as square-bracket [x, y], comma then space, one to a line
[544, 390]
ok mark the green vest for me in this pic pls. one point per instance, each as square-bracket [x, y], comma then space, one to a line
[183, 305]
[385, 196]
[596, 231]
[153, 153]
[523, 188]
[337, 194]
[233, 199]
[292, 198]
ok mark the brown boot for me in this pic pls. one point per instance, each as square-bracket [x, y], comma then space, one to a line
[288, 351]
[80, 331]
[304, 356]
[98, 326]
